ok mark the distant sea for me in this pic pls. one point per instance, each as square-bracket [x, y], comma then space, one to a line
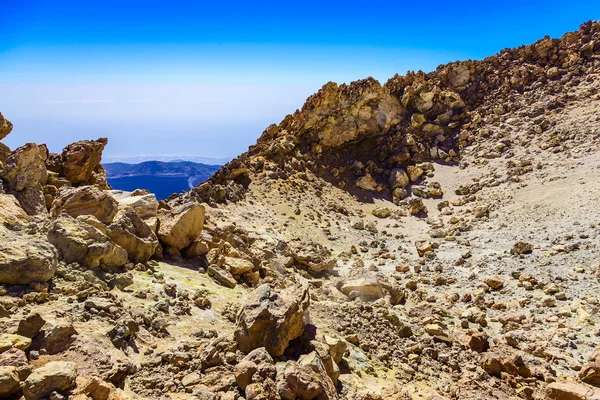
[163, 178]
[161, 186]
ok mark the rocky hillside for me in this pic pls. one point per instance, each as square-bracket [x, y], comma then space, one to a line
[367, 137]
[436, 237]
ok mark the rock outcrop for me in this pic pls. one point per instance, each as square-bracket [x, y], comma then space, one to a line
[5, 127]
[25, 167]
[130, 232]
[78, 241]
[270, 320]
[179, 226]
[85, 200]
[80, 160]
[25, 259]
[56, 376]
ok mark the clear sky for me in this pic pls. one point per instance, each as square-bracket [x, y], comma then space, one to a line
[205, 78]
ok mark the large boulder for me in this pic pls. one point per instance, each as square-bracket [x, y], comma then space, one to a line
[80, 242]
[16, 358]
[363, 284]
[32, 200]
[5, 127]
[25, 167]
[144, 204]
[80, 159]
[315, 256]
[11, 213]
[590, 373]
[571, 391]
[25, 259]
[246, 369]
[9, 381]
[56, 336]
[56, 376]
[340, 114]
[304, 380]
[179, 226]
[85, 200]
[398, 178]
[270, 320]
[130, 232]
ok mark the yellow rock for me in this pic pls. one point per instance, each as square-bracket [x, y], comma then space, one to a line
[8, 341]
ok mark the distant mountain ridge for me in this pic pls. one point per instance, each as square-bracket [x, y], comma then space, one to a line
[156, 168]
[166, 158]
[159, 177]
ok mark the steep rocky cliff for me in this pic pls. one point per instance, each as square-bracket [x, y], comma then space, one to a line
[357, 134]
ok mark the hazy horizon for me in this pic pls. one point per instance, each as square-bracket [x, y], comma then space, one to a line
[204, 80]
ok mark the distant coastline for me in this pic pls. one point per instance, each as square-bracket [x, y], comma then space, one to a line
[166, 158]
[159, 177]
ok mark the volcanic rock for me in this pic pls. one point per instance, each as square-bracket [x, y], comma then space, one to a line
[77, 241]
[25, 167]
[313, 255]
[25, 259]
[80, 159]
[269, 319]
[363, 284]
[571, 391]
[130, 232]
[85, 200]
[590, 373]
[178, 227]
[9, 382]
[145, 205]
[54, 376]
[5, 127]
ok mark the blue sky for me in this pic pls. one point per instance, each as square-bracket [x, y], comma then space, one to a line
[205, 78]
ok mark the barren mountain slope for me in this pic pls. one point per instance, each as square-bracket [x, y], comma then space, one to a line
[546, 198]
[435, 237]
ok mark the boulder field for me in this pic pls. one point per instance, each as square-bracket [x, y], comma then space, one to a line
[432, 237]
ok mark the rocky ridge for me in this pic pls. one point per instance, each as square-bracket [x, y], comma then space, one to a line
[326, 262]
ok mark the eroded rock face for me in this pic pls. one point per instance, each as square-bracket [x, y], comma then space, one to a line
[80, 159]
[340, 114]
[5, 127]
[11, 214]
[179, 226]
[25, 167]
[145, 205]
[25, 259]
[270, 320]
[85, 200]
[77, 241]
[130, 232]
[249, 366]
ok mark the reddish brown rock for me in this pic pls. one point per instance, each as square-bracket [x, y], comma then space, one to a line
[85, 200]
[590, 373]
[80, 159]
[270, 320]
[5, 127]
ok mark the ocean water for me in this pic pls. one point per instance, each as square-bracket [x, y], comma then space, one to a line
[161, 186]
